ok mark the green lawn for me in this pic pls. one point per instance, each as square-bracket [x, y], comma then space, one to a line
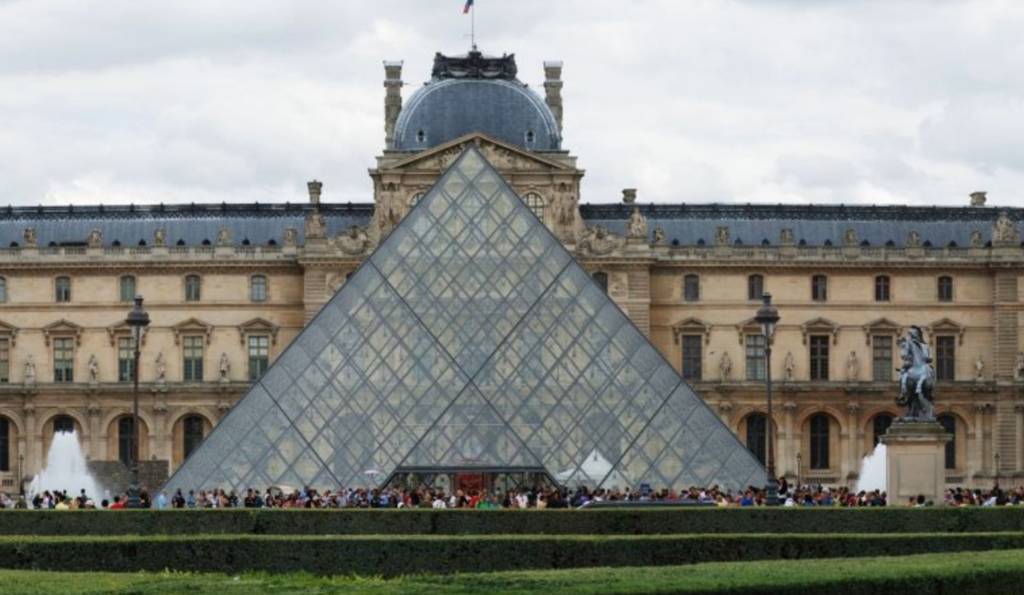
[961, 573]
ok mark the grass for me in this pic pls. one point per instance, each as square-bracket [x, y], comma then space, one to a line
[929, 573]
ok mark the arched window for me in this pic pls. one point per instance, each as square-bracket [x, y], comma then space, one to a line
[3, 289]
[127, 288]
[819, 288]
[949, 422]
[193, 426]
[691, 288]
[757, 435]
[535, 203]
[192, 288]
[601, 279]
[882, 288]
[62, 289]
[5, 444]
[755, 287]
[258, 288]
[945, 288]
[124, 440]
[820, 441]
[63, 423]
[880, 425]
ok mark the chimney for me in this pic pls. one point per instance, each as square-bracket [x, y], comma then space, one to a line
[628, 196]
[392, 100]
[553, 90]
[314, 192]
[978, 199]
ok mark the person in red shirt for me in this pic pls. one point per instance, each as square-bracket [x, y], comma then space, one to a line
[118, 504]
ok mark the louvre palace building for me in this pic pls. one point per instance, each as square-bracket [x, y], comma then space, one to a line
[229, 287]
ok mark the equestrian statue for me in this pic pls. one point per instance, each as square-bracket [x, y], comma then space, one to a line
[917, 378]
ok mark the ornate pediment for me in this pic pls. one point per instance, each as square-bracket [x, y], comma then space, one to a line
[599, 241]
[192, 326]
[747, 327]
[880, 326]
[947, 327]
[691, 326]
[258, 326]
[62, 328]
[9, 332]
[502, 155]
[121, 329]
[820, 326]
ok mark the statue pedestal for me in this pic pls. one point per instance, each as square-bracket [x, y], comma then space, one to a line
[915, 461]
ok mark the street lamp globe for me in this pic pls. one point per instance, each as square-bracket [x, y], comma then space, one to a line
[767, 316]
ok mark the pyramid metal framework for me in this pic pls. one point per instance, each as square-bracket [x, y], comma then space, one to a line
[470, 338]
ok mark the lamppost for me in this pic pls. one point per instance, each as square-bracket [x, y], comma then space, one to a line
[137, 320]
[768, 317]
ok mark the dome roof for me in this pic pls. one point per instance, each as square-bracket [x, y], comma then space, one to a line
[474, 93]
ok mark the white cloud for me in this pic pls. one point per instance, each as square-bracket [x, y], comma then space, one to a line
[761, 101]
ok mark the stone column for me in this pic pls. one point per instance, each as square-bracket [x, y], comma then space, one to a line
[980, 463]
[33, 444]
[789, 446]
[1018, 409]
[160, 434]
[852, 459]
[96, 448]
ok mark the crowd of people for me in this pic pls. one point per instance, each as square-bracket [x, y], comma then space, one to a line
[521, 498]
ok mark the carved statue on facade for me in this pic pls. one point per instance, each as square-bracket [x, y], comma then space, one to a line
[786, 236]
[30, 237]
[291, 236]
[566, 211]
[94, 370]
[95, 239]
[598, 240]
[789, 365]
[160, 237]
[637, 227]
[725, 367]
[976, 239]
[917, 378]
[658, 235]
[225, 368]
[30, 371]
[979, 369]
[353, 241]
[1005, 230]
[852, 367]
[316, 227]
[850, 237]
[722, 235]
[1019, 367]
[223, 236]
[913, 239]
[161, 369]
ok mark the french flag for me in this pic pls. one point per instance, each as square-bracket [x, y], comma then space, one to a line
[469, 4]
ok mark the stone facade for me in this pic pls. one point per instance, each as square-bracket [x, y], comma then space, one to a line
[690, 297]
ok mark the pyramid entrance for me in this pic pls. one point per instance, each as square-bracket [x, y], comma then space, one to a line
[470, 339]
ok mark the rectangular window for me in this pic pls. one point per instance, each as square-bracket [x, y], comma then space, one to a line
[192, 350]
[819, 288]
[755, 357]
[881, 288]
[819, 357]
[945, 358]
[125, 359]
[881, 358]
[259, 356]
[5, 360]
[63, 360]
[258, 288]
[127, 289]
[62, 287]
[691, 288]
[692, 356]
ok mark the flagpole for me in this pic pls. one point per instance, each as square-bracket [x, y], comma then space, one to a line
[472, 25]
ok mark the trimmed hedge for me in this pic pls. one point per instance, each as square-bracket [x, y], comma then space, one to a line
[651, 521]
[400, 555]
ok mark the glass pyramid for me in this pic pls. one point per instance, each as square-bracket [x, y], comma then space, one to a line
[470, 339]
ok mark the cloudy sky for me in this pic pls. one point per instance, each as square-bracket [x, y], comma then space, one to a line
[824, 101]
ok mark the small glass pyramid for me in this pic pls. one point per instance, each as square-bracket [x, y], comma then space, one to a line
[470, 338]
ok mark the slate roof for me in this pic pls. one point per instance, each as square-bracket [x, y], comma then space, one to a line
[687, 223]
[814, 225]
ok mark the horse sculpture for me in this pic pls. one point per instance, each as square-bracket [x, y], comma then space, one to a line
[917, 378]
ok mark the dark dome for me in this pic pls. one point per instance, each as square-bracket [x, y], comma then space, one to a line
[463, 98]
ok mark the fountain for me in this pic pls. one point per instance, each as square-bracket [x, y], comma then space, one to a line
[872, 471]
[65, 469]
